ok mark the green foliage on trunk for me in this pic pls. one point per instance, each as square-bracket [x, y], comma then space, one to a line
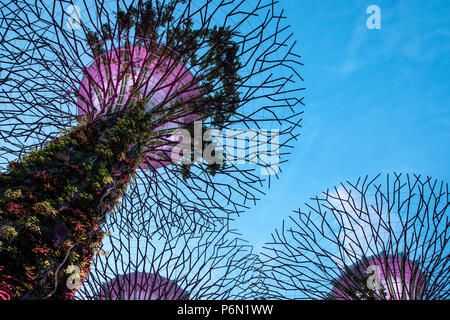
[53, 202]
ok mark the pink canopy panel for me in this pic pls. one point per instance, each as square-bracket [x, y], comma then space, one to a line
[391, 277]
[141, 286]
[126, 73]
[5, 285]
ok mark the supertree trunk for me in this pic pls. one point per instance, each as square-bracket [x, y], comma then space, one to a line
[53, 202]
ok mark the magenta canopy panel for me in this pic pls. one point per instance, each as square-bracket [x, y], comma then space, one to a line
[141, 286]
[110, 81]
[397, 276]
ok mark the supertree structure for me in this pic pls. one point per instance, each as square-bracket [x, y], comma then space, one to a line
[180, 265]
[373, 239]
[229, 65]
[98, 103]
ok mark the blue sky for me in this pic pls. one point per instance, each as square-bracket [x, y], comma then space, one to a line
[377, 101]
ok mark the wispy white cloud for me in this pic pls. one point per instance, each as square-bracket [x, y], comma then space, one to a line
[402, 37]
[352, 61]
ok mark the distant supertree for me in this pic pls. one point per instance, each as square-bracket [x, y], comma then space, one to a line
[93, 100]
[365, 240]
[181, 265]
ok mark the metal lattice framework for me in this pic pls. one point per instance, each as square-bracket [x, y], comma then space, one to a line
[60, 63]
[372, 239]
[207, 265]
